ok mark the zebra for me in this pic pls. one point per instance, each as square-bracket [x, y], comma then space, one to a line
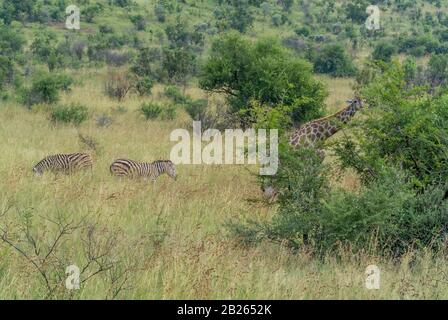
[134, 169]
[67, 163]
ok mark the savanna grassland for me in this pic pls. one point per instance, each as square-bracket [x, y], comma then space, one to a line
[168, 240]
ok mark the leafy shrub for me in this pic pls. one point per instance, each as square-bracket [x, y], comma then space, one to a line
[151, 110]
[143, 85]
[266, 72]
[385, 215]
[6, 70]
[159, 11]
[174, 94]
[399, 150]
[73, 113]
[138, 21]
[197, 109]
[45, 88]
[384, 51]
[333, 60]
[169, 112]
[438, 68]
[303, 31]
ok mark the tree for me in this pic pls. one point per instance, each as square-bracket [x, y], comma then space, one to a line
[334, 60]
[356, 10]
[383, 51]
[406, 129]
[234, 14]
[16, 10]
[264, 71]
[44, 46]
[11, 43]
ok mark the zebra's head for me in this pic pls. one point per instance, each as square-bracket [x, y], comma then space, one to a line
[37, 170]
[170, 169]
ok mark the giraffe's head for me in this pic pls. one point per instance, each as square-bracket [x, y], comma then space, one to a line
[356, 103]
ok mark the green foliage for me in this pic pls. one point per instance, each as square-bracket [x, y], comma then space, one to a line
[45, 88]
[11, 43]
[11, 40]
[169, 112]
[384, 51]
[6, 70]
[159, 11]
[234, 14]
[73, 113]
[196, 109]
[407, 129]
[385, 216]
[45, 48]
[143, 85]
[174, 94]
[178, 63]
[438, 68]
[139, 21]
[356, 10]
[151, 110]
[263, 71]
[16, 10]
[333, 60]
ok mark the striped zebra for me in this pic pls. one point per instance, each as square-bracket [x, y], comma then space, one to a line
[66, 163]
[133, 169]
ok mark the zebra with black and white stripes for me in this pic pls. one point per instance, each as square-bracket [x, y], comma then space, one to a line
[134, 169]
[66, 163]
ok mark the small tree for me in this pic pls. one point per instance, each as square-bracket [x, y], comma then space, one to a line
[384, 51]
[334, 60]
[45, 88]
[263, 71]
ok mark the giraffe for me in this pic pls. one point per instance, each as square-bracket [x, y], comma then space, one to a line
[315, 131]
[312, 133]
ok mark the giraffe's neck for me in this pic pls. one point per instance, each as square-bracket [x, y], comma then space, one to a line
[319, 130]
[345, 115]
[342, 117]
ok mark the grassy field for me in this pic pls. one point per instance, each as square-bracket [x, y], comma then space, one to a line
[171, 236]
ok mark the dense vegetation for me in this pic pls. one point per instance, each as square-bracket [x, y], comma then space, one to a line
[228, 64]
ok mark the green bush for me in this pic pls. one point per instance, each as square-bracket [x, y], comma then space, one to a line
[143, 85]
[73, 113]
[174, 94]
[169, 112]
[385, 216]
[196, 109]
[384, 51]
[399, 149]
[151, 110]
[263, 71]
[334, 60]
[45, 88]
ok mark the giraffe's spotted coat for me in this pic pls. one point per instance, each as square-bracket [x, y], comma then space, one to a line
[312, 132]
